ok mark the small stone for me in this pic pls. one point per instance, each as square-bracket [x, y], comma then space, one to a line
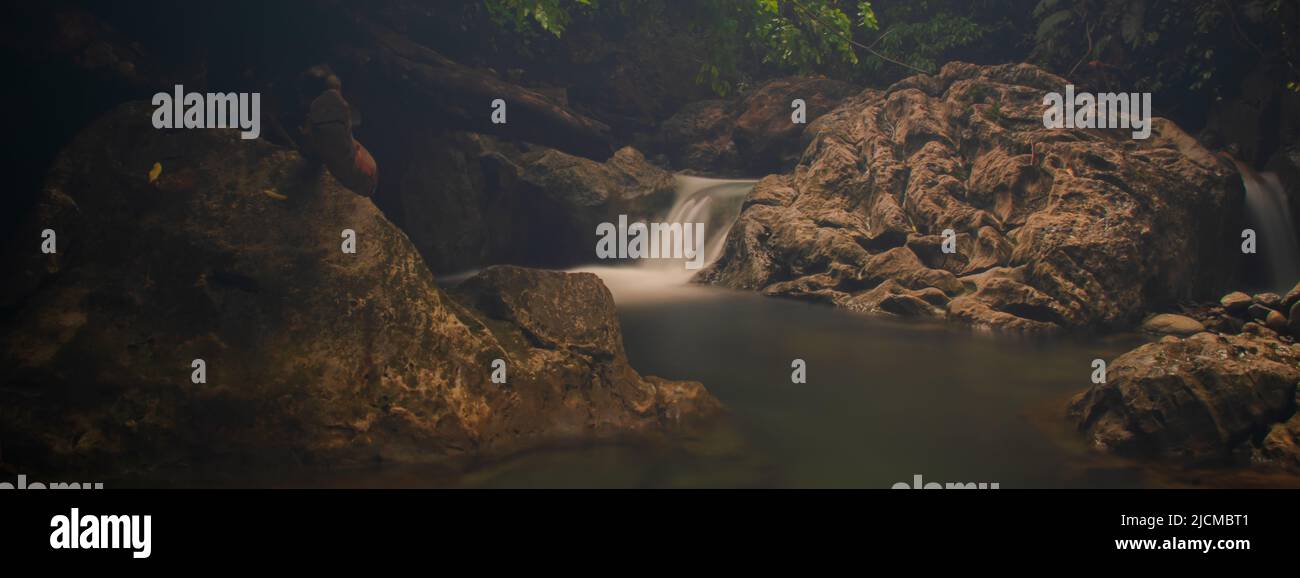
[1275, 321]
[1292, 297]
[1253, 328]
[1225, 324]
[1172, 324]
[1270, 300]
[1235, 302]
[1258, 311]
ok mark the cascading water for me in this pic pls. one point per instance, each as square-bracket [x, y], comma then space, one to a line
[714, 202]
[1270, 215]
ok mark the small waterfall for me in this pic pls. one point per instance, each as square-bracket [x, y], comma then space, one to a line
[1270, 216]
[714, 202]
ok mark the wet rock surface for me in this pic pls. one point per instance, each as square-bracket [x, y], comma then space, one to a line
[314, 356]
[1207, 399]
[1218, 397]
[1054, 229]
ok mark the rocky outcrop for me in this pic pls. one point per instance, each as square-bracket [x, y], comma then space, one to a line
[1223, 396]
[1207, 399]
[233, 255]
[1053, 228]
[565, 323]
[469, 200]
[751, 135]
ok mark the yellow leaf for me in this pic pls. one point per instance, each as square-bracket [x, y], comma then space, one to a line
[274, 195]
[154, 172]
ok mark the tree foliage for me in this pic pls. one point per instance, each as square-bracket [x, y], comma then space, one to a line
[1163, 46]
[852, 40]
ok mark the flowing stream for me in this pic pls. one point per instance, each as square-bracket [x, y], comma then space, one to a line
[1269, 213]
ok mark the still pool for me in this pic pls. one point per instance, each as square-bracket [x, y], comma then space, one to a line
[884, 400]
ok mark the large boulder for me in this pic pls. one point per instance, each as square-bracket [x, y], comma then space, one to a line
[753, 134]
[232, 254]
[1053, 228]
[469, 200]
[1206, 400]
[698, 137]
[458, 204]
[766, 136]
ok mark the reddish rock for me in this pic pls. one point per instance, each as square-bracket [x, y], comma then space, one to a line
[1236, 303]
[328, 138]
[1275, 321]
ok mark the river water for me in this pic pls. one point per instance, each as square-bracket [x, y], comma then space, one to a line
[885, 400]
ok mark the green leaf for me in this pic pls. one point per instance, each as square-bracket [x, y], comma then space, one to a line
[867, 16]
[1048, 27]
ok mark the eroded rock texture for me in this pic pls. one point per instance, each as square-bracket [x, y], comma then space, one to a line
[233, 256]
[1226, 394]
[1209, 399]
[1055, 228]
